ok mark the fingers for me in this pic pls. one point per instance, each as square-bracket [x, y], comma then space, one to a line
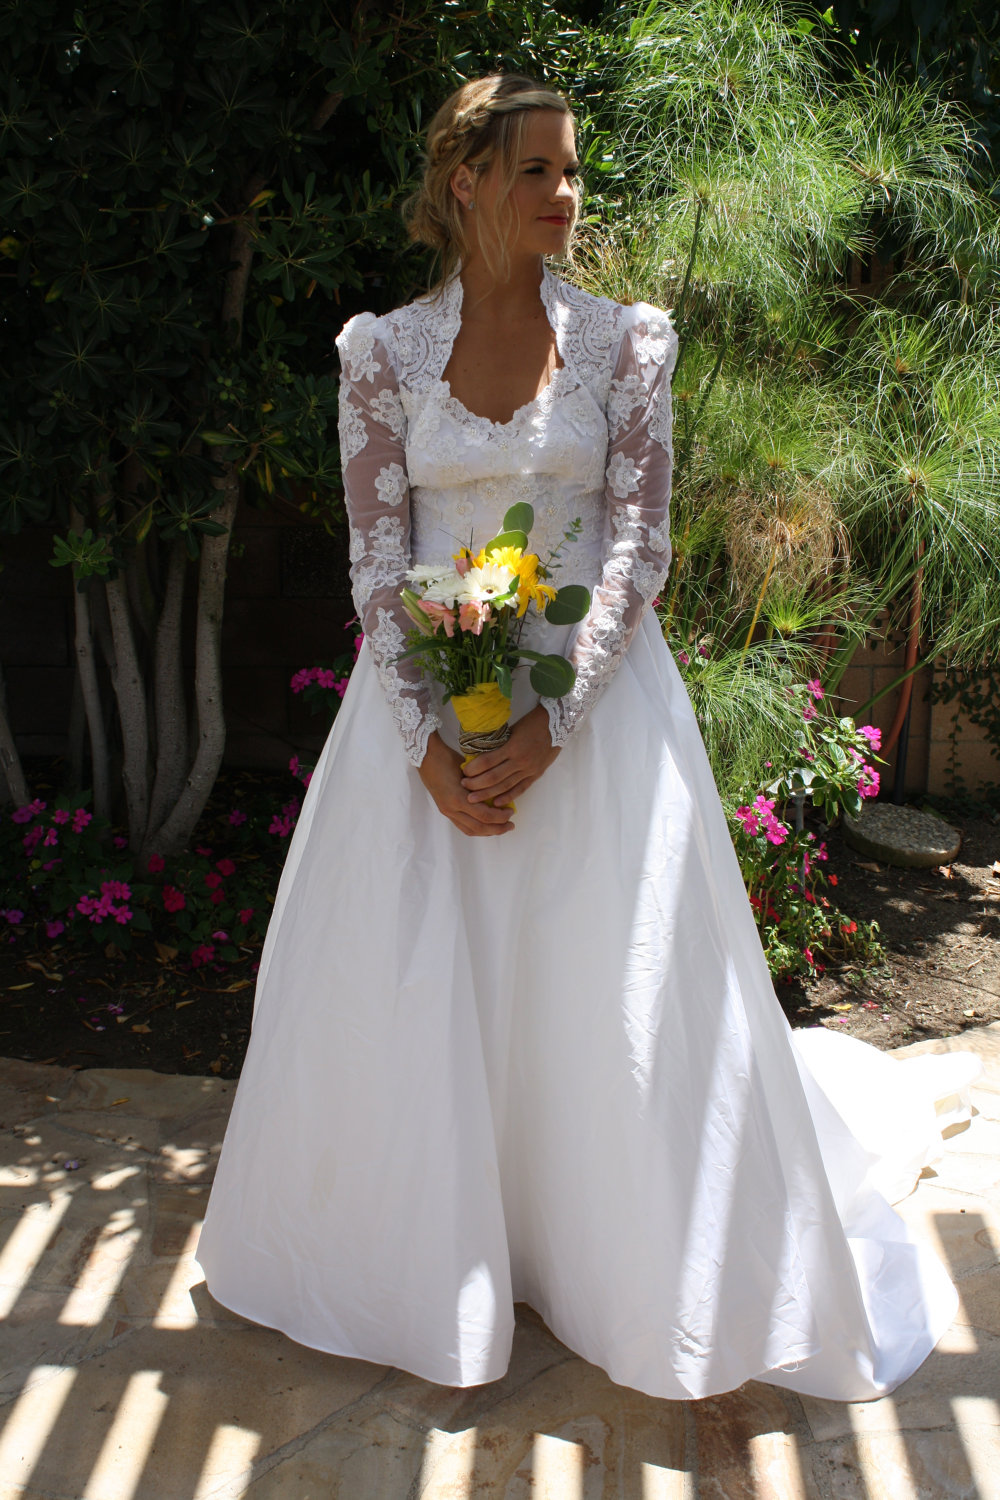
[481, 812]
[480, 830]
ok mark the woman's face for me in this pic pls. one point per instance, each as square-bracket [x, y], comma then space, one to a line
[542, 198]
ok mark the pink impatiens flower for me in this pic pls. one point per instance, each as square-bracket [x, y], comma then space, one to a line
[872, 735]
[156, 863]
[236, 817]
[28, 811]
[814, 687]
[173, 899]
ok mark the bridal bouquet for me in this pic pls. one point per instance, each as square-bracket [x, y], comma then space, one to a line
[469, 613]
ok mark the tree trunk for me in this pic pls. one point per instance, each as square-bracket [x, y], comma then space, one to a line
[10, 761]
[90, 688]
[178, 827]
[171, 707]
[130, 691]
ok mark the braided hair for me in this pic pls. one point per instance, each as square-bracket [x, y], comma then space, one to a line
[480, 123]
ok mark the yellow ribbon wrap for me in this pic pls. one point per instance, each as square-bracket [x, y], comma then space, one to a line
[483, 715]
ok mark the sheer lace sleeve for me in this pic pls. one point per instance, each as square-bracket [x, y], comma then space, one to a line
[377, 492]
[637, 494]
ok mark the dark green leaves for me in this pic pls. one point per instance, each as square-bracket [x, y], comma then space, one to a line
[569, 606]
[552, 676]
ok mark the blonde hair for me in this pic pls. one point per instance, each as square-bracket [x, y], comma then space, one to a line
[481, 123]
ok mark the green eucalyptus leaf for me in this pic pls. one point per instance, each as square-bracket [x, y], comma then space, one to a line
[569, 606]
[506, 539]
[552, 677]
[520, 517]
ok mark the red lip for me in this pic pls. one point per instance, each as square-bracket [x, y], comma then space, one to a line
[552, 219]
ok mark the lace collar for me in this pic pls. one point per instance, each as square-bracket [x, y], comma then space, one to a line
[586, 329]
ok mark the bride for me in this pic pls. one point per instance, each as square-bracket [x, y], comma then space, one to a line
[551, 1067]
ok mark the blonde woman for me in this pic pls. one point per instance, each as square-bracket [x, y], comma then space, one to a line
[536, 1055]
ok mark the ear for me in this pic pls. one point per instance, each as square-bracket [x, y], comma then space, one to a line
[462, 183]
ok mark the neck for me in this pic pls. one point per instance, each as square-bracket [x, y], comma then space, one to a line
[518, 294]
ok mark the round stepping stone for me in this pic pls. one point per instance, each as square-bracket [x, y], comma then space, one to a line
[902, 836]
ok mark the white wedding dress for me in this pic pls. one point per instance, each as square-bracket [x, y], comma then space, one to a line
[547, 1067]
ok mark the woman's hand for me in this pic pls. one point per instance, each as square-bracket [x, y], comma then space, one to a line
[509, 771]
[441, 773]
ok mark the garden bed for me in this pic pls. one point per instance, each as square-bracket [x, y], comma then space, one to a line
[87, 1007]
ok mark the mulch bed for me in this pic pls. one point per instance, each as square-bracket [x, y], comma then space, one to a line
[82, 1009]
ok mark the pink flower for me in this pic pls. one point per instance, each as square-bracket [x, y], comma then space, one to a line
[212, 880]
[13, 915]
[216, 897]
[225, 867]
[306, 779]
[80, 819]
[358, 643]
[473, 615]
[440, 614]
[61, 815]
[28, 811]
[814, 687]
[220, 936]
[203, 849]
[173, 899]
[246, 914]
[808, 755]
[750, 820]
[236, 817]
[807, 952]
[776, 832]
[52, 837]
[53, 929]
[872, 735]
[32, 838]
[293, 765]
[119, 842]
[702, 650]
[683, 658]
[201, 955]
[156, 863]
[869, 784]
[281, 826]
[116, 890]
[809, 712]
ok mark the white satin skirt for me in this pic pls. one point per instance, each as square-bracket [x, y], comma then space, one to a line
[550, 1067]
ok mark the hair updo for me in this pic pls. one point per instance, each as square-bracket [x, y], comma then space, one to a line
[481, 123]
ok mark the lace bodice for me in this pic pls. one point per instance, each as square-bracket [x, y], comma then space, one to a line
[422, 475]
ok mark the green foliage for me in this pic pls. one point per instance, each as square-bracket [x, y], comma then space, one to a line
[834, 449]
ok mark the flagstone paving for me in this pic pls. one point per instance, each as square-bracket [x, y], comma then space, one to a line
[122, 1379]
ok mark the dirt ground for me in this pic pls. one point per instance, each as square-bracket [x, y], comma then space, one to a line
[940, 929]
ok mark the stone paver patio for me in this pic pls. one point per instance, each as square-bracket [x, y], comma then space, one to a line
[122, 1379]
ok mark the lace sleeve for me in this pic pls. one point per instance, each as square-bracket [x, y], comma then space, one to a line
[377, 493]
[637, 495]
